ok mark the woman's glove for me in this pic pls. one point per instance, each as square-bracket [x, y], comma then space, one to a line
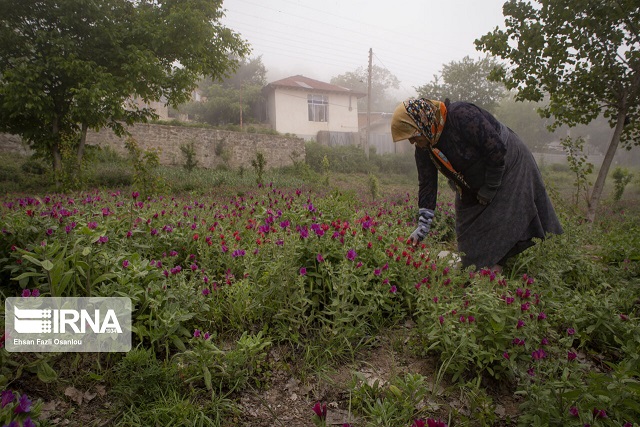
[424, 225]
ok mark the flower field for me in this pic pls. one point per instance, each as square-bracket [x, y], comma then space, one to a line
[246, 303]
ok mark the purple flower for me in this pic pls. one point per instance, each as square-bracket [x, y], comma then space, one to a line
[206, 291]
[599, 413]
[7, 397]
[393, 289]
[125, 263]
[351, 254]
[506, 355]
[196, 333]
[377, 272]
[92, 225]
[538, 354]
[542, 316]
[320, 410]
[303, 271]
[103, 239]
[571, 355]
[238, 253]
[28, 423]
[24, 405]
[35, 293]
[26, 293]
[571, 331]
[520, 324]
[573, 411]
[319, 258]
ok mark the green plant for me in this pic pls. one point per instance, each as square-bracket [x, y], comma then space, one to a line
[259, 164]
[374, 186]
[140, 378]
[189, 152]
[18, 409]
[396, 403]
[579, 165]
[207, 365]
[621, 177]
[325, 169]
[145, 164]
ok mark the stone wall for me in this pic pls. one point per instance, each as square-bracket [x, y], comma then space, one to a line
[212, 147]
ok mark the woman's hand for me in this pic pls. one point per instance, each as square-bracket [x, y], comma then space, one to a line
[424, 225]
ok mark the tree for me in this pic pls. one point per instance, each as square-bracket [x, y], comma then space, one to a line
[228, 96]
[523, 118]
[466, 80]
[381, 82]
[70, 65]
[583, 54]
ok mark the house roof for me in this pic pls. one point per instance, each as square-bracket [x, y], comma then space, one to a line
[307, 84]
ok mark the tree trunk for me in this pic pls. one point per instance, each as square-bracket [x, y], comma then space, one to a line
[56, 156]
[83, 140]
[596, 193]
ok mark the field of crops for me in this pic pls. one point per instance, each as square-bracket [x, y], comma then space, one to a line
[299, 305]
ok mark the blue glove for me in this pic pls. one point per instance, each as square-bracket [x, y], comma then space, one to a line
[424, 225]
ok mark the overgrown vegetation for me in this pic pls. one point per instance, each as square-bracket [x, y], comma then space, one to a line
[241, 290]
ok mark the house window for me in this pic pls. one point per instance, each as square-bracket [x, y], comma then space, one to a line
[318, 108]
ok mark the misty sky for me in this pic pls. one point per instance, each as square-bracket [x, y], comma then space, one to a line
[322, 39]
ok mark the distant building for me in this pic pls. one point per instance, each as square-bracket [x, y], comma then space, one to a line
[306, 107]
[380, 134]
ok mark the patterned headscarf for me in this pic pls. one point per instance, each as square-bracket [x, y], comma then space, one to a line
[419, 116]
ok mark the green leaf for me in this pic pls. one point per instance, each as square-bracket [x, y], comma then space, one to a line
[46, 373]
[27, 275]
[47, 265]
[178, 343]
[32, 259]
[104, 277]
[207, 378]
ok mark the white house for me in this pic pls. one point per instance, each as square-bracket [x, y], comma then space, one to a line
[302, 106]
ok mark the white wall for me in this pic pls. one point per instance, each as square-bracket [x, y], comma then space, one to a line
[292, 113]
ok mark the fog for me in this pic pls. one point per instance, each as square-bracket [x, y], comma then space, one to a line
[410, 38]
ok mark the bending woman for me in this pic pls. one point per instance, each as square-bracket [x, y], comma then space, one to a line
[501, 203]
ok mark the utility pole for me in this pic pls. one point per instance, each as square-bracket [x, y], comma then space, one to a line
[240, 106]
[366, 144]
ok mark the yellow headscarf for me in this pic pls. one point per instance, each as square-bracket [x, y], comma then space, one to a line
[419, 117]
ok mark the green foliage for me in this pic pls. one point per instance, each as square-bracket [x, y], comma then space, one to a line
[205, 364]
[189, 153]
[466, 80]
[18, 409]
[232, 283]
[579, 165]
[145, 164]
[396, 403]
[621, 177]
[258, 165]
[374, 186]
[139, 378]
[325, 169]
[53, 83]
[585, 65]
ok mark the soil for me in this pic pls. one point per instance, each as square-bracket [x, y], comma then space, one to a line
[286, 399]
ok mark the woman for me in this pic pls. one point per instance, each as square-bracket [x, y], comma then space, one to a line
[501, 203]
